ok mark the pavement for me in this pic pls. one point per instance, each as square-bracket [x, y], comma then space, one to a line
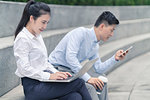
[131, 80]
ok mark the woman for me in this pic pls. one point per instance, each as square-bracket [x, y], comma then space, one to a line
[32, 64]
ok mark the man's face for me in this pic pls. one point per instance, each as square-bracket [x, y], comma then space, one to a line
[105, 32]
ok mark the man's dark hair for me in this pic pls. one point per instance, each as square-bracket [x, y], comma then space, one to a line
[107, 18]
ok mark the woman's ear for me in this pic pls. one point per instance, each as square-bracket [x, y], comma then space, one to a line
[31, 18]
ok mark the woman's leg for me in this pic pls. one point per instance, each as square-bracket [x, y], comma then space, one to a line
[35, 90]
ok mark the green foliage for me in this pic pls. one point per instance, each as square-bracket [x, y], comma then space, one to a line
[92, 2]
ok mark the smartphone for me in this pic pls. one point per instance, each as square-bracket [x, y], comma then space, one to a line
[127, 50]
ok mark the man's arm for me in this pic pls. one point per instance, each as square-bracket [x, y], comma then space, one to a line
[72, 49]
[102, 67]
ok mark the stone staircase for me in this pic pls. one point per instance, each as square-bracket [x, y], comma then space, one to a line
[133, 30]
[131, 80]
[140, 42]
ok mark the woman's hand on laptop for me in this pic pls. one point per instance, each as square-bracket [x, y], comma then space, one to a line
[60, 75]
[96, 82]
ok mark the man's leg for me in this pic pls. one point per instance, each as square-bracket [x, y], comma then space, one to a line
[98, 95]
[104, 93]
[92, 91]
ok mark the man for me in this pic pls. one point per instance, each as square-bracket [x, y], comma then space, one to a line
[83, 43]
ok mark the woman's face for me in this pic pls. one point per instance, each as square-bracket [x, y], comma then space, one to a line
[40, 24]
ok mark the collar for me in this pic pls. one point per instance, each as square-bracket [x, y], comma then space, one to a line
[29, 34]
[93, 35]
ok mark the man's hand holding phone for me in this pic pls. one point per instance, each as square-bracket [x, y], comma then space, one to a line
[120, 54]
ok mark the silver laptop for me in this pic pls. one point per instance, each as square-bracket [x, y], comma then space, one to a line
[82, 71]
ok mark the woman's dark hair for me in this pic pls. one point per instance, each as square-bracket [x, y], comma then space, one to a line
[106, 17]
[36, 9]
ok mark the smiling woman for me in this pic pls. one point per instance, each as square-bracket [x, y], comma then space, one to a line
[38, 25]
[32, 60]
[30, 15]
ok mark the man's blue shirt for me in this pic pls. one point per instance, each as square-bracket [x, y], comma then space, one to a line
[78, 45]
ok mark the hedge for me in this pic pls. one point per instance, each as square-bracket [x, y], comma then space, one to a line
[92, 2]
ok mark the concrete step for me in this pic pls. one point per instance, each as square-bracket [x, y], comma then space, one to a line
[129, 28]
[14, 94]
[131, 81]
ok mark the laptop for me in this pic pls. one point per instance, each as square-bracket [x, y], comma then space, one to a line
[82, 71]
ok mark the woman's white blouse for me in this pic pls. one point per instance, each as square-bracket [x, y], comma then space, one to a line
[31, 56]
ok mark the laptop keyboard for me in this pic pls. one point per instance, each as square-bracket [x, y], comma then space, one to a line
[69, 77]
